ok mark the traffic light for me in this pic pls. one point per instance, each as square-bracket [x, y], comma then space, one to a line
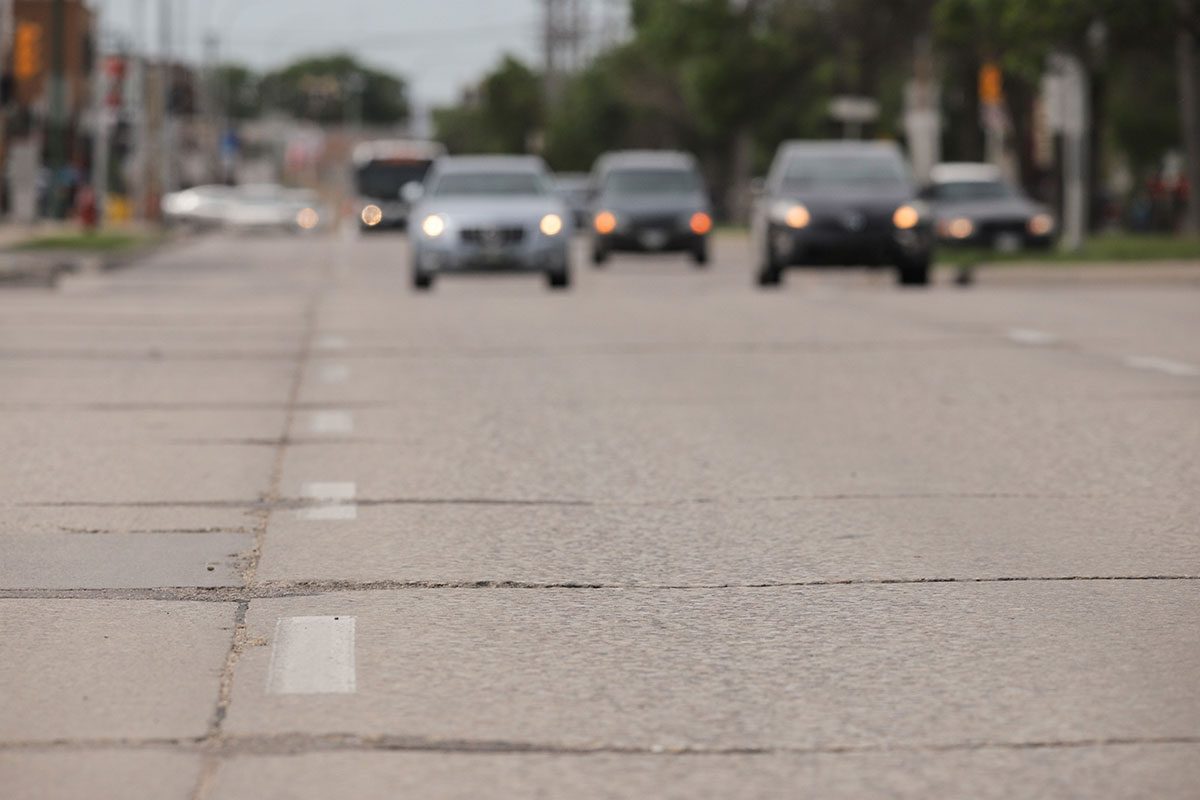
[27, 51]
[991, 84]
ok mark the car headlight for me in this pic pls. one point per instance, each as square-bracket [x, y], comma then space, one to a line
[605, 222]
[433, 226]
[551, 225]
[906, 217]
[372, 215]
[307, 218]
[794, 215]
[700, 223]
[1041, 224]
[957, 228]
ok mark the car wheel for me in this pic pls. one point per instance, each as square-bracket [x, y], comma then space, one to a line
[559, 279]
[770, 274]
[599, 255]
[913, 273]
[422, 281]
[700, 254]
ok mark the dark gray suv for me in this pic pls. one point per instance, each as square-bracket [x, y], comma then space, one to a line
[842, 203]
[649, 201]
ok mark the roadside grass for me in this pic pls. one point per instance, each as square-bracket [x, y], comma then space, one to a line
[99, 242]
[1114, 247]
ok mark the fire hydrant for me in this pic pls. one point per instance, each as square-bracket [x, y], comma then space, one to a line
[87, 208]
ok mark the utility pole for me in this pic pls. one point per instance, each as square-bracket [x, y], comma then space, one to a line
[1189, 113]
[56, 129]
[167, 73]
[141, 167]
[100, 122]
[6, 39]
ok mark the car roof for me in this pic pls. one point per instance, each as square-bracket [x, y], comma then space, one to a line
[965, 172]
[397, 149]
[447, 164]
[645, 159]
[835, 146]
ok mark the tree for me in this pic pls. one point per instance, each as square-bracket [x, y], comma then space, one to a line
[337, 88]
[501, 116]
[236, 90]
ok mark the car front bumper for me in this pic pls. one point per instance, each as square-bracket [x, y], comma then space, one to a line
[833, 247]
[535, 254]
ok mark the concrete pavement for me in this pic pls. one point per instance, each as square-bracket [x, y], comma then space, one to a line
[276, 527]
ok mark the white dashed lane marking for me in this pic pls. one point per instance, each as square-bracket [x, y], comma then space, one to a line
[331, 422]
[1030, 336]
[333, 373]
[312, 655]
[1176, 368]
[337, 501]
[331, 342]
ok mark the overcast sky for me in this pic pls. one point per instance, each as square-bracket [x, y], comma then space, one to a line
[438, 45]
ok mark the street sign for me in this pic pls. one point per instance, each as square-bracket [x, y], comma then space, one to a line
[854, 110]
[991, 84]
[27, 51]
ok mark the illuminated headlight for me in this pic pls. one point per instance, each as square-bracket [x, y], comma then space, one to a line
[372, 215]
[906, 217]
[700, 223]
[551, 225]
[794, 215]
[307, 218]
[958, 228]
[433, 226]
[605, 222]
[1041, 224]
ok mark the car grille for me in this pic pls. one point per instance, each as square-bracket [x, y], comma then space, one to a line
[654, 222]
[492, 237]
[851, 220]
[990, 228]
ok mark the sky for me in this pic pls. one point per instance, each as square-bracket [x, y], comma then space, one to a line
[439, 46]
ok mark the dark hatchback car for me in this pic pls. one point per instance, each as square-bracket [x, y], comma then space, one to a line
[649, 201]
[842, 203]
[976, 207]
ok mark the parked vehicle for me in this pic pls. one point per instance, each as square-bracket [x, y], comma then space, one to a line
[841, 203]
[268, 207]
[201, 206]
[381, 171]
[649, 201]
[974, 206]
[490, 214]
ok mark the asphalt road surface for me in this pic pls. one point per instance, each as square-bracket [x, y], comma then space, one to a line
[275, 527]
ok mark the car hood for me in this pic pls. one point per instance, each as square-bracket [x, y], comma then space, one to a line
[674, 203]
[1004, 208]
[491, 210]
[869, 198]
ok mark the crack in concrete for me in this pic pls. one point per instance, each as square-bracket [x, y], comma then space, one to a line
[285, 503]
[225, 746]
[312, 588]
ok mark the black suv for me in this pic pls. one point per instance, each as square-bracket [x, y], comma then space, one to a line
[842, 203]
[649, 201]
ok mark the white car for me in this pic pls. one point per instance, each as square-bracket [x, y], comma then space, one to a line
[203, 206]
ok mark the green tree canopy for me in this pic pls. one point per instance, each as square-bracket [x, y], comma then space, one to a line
[335, 88]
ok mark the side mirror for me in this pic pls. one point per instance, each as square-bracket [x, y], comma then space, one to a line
[411, 192]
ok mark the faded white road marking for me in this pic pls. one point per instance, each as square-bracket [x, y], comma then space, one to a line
[1030, 336]
[1176, 368]
[312, 655]
[331, 342]
[333, 373]
[329, 512]
[332, 422]
[329, 490]
[337, 497]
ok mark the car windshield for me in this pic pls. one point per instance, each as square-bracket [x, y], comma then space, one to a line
[843, 170]
[489, 184]
[973, 190]
[651, 181]
[384, 179]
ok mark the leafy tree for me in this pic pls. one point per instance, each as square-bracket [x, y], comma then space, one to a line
[335, 88]
[500, 117]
